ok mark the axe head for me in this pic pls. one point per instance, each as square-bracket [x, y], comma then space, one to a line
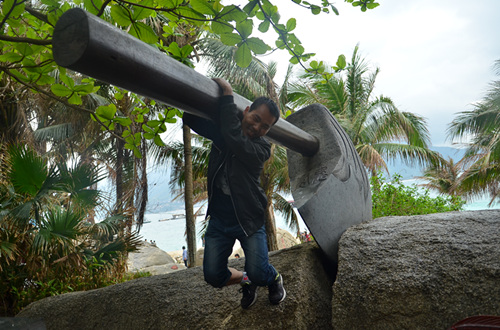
[331, 189]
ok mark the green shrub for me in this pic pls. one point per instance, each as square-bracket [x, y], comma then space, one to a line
[395, 198]
[47, 246]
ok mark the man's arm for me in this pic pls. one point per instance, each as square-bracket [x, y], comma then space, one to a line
[252, 153]
[203, 127]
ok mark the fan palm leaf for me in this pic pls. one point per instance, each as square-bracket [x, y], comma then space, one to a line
[377, 128]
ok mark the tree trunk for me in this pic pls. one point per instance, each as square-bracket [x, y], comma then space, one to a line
[188, 197]
[267, 185]
[119, 172]
[272, 242]
[142, 191]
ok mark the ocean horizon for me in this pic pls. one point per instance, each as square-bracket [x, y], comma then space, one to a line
[170, 235]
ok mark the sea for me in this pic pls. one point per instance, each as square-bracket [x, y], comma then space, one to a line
[170, 235]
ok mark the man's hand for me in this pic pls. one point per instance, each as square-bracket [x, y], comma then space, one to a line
[224, 86]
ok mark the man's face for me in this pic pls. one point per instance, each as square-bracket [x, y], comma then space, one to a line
[258, 122]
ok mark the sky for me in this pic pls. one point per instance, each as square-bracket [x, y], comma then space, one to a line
[435, 56]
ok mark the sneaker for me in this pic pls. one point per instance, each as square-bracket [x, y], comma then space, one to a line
[277, 292]
[249, 295]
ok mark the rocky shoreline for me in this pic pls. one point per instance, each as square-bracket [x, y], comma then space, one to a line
[150, 258]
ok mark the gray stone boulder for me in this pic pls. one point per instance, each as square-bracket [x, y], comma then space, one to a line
[150, 258]
[182, 300]
[419, 272]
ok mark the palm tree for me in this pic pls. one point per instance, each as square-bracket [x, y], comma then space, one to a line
[374, 124]
[44, 236]
[481, 125]
[444, 178]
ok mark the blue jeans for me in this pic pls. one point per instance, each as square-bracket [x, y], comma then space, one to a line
[219, 241]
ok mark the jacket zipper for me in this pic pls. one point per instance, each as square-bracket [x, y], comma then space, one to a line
[232, 202]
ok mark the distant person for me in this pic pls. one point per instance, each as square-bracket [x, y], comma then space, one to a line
[185, 256]
[236, 255]
[236, 207]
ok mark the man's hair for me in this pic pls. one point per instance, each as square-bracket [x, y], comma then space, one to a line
[271, 105]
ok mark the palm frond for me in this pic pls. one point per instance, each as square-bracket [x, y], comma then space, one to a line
[286, 209]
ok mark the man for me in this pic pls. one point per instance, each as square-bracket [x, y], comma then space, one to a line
[185, 256]
[236, 201]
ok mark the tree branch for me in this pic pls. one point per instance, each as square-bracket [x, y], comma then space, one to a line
[61, 100]
[26, 40]
[37, 14]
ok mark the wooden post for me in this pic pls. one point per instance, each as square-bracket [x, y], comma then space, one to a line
[85, 43]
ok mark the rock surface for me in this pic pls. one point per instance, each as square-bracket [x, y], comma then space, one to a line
[150, 258]
[182, 300]
[419, 272]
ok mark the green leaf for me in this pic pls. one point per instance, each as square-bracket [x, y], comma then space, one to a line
[297, 1]
[28, 172]
[341, 62]
[315, 9]
[75, 99]
[17, 9]
[232, 13]
[190, 13]
[291, 24]
[264, 26]
[124, 121]
[245, 28]
[243, 56]
[257, 46]
[24, 49]
[93, 6]
[121, 15]
[203, 7]
[60, 90]
[158, 141]
[106, 111]
[220, 28]
[372, 5]
[230, 39]
[280, 44]
[84, 89]
[275, 18]
[137, 153]
[169, 30]
[143, 32]
[186, 50]
[67, 80]
[174, 49]
[45, 79]
[119, 95]
[335, 10]
[11, 57]
[251, 7]
[154, 123]
[19, 75]
[169, 3]
[299, 50]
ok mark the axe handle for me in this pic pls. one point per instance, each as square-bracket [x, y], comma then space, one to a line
[84, 43]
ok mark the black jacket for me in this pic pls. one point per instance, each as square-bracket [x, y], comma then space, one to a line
[244, 159]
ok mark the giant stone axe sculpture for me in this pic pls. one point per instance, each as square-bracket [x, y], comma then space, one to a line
[328, 180]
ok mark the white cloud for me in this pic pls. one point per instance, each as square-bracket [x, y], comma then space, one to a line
[435, 56]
